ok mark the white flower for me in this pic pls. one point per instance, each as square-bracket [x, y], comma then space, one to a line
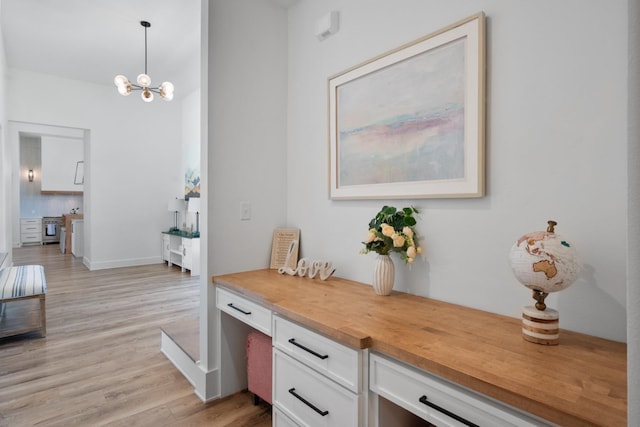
[371, 236]
[387, 230]
[410, 260]
[407, 231]
[398, 241]
[419, 249]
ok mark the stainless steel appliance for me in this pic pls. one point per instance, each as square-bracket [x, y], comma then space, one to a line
[51, 229]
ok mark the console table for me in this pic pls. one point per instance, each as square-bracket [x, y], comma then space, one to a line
[181, 250]
[582, 381]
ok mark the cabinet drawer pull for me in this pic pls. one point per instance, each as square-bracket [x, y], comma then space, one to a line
[318, 355]
[239, 309]
[306, 402]
[424, 400]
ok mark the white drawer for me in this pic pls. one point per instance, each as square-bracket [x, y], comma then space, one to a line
[310, 399]
[31, 237]
[31, 228]
[338, 362]
[281, 420]
[407, 387]
[245, 310]
[26, 221]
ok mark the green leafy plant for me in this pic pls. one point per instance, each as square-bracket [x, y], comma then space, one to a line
[392, 230]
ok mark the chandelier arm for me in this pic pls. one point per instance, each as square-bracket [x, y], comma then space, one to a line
[138, 87]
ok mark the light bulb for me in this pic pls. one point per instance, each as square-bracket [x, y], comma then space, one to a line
[166, 96]
[120, 80]
[124, 90]
[144, 80]
[147, 95]
[167, 87]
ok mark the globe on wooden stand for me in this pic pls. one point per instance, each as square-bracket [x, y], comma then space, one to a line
[543, 262]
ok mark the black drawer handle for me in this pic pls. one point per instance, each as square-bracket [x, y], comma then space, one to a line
[318, 355]
[424, 400]
[239, 309]
[306, 402]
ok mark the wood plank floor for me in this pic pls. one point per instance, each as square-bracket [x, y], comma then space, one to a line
[100, 363]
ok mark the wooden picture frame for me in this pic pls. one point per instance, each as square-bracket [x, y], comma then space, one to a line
[281, 245]
[410, 123]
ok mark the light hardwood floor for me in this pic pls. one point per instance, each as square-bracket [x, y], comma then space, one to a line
[100, 363]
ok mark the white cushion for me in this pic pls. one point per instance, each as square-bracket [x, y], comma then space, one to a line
[22, 281]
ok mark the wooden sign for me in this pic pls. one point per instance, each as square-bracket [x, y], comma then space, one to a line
[282, 238]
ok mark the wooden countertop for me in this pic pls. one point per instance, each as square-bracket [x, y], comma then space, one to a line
[582, 381]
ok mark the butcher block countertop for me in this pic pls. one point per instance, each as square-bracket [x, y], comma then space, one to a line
[581, 381]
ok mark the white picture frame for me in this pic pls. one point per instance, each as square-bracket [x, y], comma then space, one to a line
[410, 123]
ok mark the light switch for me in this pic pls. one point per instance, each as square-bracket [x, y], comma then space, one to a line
[245, 211]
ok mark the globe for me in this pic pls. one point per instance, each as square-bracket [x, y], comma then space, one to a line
[544, 262]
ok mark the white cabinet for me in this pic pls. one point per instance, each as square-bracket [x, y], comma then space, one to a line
[311, 399]
[30, 230]
[77, 237]
[60, 157]
[279, 419]
[439, 401]
[242, 309]
[317, 381]
[188, 248]
[182, 251]
[331, 359]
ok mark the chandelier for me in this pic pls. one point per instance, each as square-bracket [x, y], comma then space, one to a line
[125, 86]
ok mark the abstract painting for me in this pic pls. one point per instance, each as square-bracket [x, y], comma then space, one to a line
[410, 123]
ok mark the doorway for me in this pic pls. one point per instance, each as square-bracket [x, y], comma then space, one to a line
[48, 186]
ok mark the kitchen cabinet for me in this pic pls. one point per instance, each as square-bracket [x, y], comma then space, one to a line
[66, 223]
[60, 160]
[30, 230]
[77, 237]
[181, 251]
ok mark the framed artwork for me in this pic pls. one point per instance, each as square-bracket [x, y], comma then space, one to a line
[78, 179]
[410, 123]
[285, 248]
[191, 182]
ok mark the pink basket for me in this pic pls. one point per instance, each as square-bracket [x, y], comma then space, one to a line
[259, 365]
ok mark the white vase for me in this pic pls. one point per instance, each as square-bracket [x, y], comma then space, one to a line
[383, 275]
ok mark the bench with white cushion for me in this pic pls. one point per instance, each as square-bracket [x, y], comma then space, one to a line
[20, 283]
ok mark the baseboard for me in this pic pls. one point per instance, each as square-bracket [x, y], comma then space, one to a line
[205, 383]
[103, 265]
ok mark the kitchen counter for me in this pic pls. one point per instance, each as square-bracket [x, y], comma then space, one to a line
[582, 381]
[66, 223]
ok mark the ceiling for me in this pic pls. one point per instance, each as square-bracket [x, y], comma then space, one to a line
[94, 40]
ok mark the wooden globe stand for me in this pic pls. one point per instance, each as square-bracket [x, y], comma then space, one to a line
[540, 324]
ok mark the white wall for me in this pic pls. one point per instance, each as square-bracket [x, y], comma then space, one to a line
[246, 158]
[633, 283]
[556, 149]
[247, 131]
[131, 168]
[5, 158]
